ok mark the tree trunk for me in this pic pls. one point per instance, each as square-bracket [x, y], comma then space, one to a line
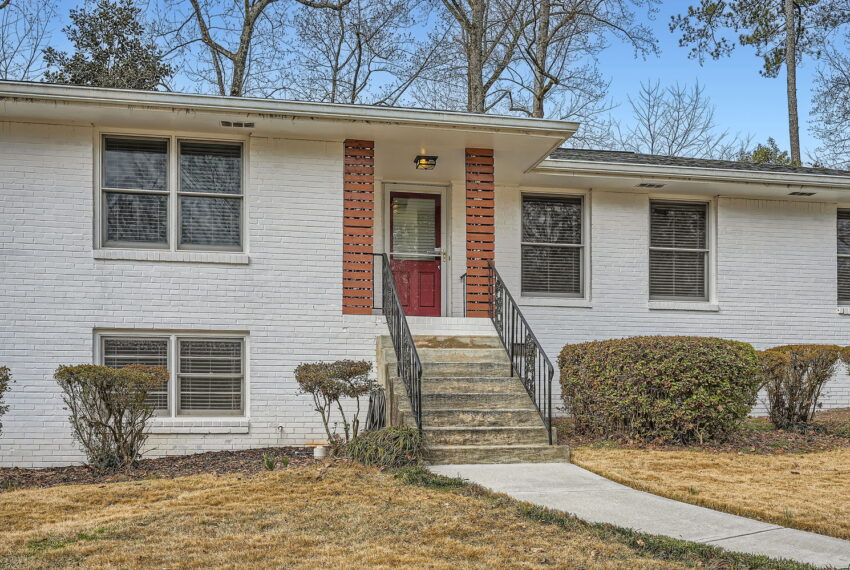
[541, 59]
[791, 67]
[475, 102]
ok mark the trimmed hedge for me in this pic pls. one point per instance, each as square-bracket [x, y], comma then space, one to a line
[793, 377]
[676, 389]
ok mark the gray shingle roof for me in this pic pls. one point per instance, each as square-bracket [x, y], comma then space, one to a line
[623, 157]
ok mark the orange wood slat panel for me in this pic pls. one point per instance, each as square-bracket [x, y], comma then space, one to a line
[480, 229]
[358, 226]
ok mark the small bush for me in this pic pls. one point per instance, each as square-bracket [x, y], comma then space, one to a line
[5, 381]
[328, 382]
[678, 389]
[793, 377]
[108, 412]
[397, 446]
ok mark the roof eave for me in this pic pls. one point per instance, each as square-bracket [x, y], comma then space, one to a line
[668, 172]
[286, 109]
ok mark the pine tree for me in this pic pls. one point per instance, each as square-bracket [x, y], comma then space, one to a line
[110, 50]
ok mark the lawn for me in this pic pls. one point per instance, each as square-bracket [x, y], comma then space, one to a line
[792, 479]
[332, 514]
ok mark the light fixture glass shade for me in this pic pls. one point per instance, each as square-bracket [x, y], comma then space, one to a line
[425, 162]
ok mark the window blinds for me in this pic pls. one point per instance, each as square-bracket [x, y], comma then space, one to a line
[844, 257]
[210, 376]
[211, 194]
[678, 250]
[552, 247]
[119, 352]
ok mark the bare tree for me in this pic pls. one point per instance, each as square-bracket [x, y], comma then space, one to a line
[24, 27]
[676, 121]
[554, 49]
[362, 53]
[483, 40]
[241, 39]
[831, 110]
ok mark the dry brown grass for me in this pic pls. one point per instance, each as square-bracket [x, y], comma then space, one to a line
[331, 516]
[806, 491]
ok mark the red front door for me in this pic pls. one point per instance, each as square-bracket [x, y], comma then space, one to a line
[415, 251]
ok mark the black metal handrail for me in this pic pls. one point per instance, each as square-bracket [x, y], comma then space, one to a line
[407, 358]
[528, 359]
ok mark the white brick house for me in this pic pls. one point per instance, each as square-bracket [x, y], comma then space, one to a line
[221, 236]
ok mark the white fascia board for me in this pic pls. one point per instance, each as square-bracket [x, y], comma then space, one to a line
[270, 108]
[661, 171]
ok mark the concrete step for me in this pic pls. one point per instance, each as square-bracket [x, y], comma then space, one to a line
[471, 384]
[467, 454]
[480, 401]
[526, 435]
[522, 417]
[466, 369]
[447, 341]
[455, 355]
[463, 355]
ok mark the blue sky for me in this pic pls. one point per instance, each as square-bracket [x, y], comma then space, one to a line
[747, 103]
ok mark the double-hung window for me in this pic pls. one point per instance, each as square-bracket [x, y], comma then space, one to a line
[206, 373]
[844, 256]
[678, 251]
[552, 246]
[170, 193]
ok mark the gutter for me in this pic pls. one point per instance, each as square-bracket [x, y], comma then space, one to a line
[667, 172]
[270, 108]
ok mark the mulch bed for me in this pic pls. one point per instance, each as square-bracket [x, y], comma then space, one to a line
[215, 462]
[757, 436]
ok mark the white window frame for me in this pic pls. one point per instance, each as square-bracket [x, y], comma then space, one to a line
[173, 192]
[840, 302]
[171, 412]
[584, 247]
[708, 295]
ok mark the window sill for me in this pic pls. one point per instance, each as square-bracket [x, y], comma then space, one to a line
[683, 306]
[554, 302]
[199, 425]
[224, 257]
[844, 309]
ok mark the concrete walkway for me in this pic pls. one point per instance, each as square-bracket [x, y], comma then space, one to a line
[569, 488]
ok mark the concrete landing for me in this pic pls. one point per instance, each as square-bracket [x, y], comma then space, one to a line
[570, 488]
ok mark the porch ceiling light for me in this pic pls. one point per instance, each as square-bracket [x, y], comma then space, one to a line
[425, 162]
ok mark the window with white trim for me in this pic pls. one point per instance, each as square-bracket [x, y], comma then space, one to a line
[158, 192]
[206, 372]
[552, 246]
[843, 256]
[678, 251]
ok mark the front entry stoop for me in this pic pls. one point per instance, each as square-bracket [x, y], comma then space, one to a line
[473, 410]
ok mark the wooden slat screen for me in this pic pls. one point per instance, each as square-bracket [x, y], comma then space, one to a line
[480, 224]
[358, 227]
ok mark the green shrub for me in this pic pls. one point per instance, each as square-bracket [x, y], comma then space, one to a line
[793, 377]
[5, 381]
[678, 389]
[397, 446]
[108, 412]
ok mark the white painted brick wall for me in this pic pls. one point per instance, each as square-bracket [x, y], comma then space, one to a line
[775, 277]
[55, 294]
[775, 285]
